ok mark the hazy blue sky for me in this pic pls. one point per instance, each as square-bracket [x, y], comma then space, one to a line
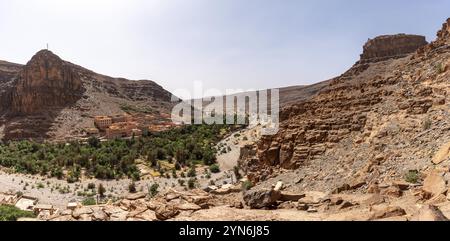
[223, 43]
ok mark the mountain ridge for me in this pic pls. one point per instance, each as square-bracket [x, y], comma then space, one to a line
[50, 98]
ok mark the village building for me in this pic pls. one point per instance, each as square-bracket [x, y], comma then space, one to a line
[44, 208]
[123, 129]
[121, 118]
[103, 122]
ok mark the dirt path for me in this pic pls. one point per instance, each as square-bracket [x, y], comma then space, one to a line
[233, 144]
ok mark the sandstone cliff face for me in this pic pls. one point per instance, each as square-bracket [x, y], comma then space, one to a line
[45, 82]
[370, 123]
[390, 46]
[8, 73]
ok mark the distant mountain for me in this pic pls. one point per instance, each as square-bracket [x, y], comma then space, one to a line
[49, 98]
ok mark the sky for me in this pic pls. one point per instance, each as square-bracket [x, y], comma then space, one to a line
[223, 44]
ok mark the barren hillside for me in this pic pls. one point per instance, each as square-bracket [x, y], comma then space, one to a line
[379, 120]
[50, 98]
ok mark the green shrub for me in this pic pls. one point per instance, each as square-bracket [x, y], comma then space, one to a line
[191, 183]
[91, 186]
[90, 201]
[153, 190]
[132, 187]
[101, 190]
[412, 176]
[214, 168]
[192, 172]
[11, 213]
[440, 68]
[247, 185]
[94, 142]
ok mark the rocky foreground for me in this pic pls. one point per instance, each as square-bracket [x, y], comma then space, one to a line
[396, 201]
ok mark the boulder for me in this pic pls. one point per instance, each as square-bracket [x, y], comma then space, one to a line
[429, 213]
[171, 196]
[373, 199]
[257, 199]
[302, 207]
[441, 198]
[388, 212]
[279, 186]
[188, 206]
[434, 184]
[342, 188]
[165, 212]
[80, 211]
[200, 200]
[85, 218]
[392, 191]
[137, 211]
[148, 215]
[442, 154]
[115, 213]
[346, 204]
[238, 205]
[402, 185]
[99, 215]
[136, 196]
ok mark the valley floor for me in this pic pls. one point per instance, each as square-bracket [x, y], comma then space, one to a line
[59, 193]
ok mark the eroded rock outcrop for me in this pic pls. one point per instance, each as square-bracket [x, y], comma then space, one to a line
[46, 82]
[50, 98]
[391, 46]
[365, 121]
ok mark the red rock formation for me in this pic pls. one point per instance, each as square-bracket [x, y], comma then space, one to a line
[45, 82]
[388, 46]
[444, 33]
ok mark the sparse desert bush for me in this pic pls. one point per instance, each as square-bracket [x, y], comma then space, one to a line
[153, 190]
[412, 176]
[214, 168]
[91, 186]
[237, 173]
[192, 172]
[440, 68]
[132, 187]
[426, 124]
[90, 201]
[191, 183]
[101, 190]
[247, 185]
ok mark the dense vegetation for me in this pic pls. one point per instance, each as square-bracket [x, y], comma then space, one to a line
[115, 158]
[11, 213]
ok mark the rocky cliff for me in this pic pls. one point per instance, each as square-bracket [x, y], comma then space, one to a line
[45, 82]
[49, 98]
[374, 122]
[391, 46]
